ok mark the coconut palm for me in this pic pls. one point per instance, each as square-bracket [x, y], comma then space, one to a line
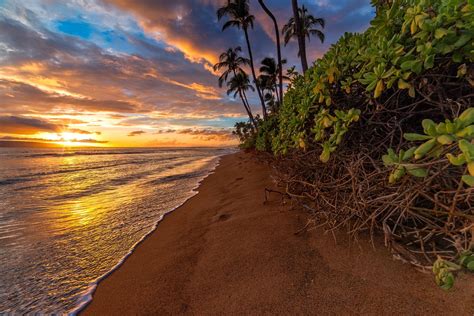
[269, 78]
[238, 12]
[277, 37]
[302, 30]
[231, 62]
[269, 90]
[238, 84]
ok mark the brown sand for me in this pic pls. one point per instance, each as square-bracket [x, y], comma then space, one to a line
[225, 252]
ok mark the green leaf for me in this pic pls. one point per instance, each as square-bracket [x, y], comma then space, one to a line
[429, 127]
[466, 132]
[470, 266]
[466, 258]
[424, 148]
[417, 66]
[407, 65]
[441, 128]
[392, 154]
[418, 172]
[456, 160]
[325, 155]
[429, 61]
[462, 40]
[441, 32]
[409, 153]
[371, 86]
[387, 160]
[448, 281]
[402, 84]
[397, 174]
[467, 149]
[416, 137]
[467, 117]
[445, 139]
[469, 180]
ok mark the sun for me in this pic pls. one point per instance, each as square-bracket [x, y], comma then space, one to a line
[68, 139]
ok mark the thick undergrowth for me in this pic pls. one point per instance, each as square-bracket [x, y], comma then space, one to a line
[378, 135]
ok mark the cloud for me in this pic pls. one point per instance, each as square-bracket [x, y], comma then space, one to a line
[26, 125]
[36, 139]
[136, 133]
[44, 69]
[83, 132]
[207, 134]
[140, 64]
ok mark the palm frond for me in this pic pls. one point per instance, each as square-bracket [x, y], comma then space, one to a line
[318, 34]
[231, 23]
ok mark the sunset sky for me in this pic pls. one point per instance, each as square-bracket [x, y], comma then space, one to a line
[135, 72]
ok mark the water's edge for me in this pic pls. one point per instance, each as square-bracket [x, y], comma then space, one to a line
[86, 298]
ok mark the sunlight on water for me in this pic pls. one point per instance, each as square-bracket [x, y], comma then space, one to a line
[67, 218]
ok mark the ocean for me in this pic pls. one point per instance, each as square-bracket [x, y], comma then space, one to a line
[68, 217]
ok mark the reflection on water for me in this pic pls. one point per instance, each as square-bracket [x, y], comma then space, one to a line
[67, 218]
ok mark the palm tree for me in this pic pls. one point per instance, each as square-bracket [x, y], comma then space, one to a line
[269, 78]
[269, 90]
[231, 62]
[299, 36]
[239, 15]
[238, 84]
[277, 36]
[305, 28]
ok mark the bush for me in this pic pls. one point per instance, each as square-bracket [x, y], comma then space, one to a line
[406, 40]
[246, 133]
[408, 78]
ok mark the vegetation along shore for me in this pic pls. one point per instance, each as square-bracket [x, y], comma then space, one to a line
[376, 137]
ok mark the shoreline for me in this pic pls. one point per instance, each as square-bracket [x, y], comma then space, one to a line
[225, 251]
[88, 295]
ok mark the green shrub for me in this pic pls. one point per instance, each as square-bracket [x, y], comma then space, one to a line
[406, 39]
[366, 111]
[246, 134]
[266, 131]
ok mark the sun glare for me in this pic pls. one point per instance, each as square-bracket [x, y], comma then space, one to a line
[68, 139]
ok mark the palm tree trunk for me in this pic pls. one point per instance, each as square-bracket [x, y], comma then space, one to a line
[300, 35]
[277, 94]
[247, 108]
[277, 35]
[264, 110]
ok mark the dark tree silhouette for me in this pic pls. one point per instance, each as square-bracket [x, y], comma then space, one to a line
[231, 61]
[302, 30]
[278, 45]
[269, 79]
[238, 13]
[238, 85]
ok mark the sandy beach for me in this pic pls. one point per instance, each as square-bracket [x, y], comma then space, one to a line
[226, 252]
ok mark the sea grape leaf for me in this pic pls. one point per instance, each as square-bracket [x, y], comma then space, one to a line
[456, 160]
[429, 127]
[418, 172]
[415, 137]
[470, 266]
[469, 180]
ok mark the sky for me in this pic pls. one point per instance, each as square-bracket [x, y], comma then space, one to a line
[136, 72]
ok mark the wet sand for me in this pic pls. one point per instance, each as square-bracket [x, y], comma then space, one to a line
[226, 252]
